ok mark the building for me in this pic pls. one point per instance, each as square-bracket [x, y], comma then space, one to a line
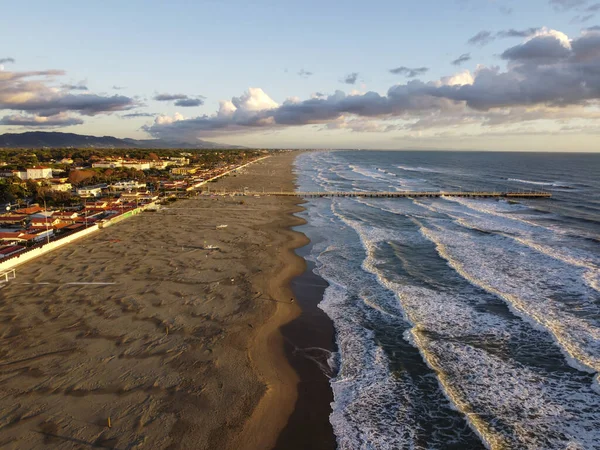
[44, 222]
[138, 165]
[33, 209]
[61, 187]
[107, 164]
[35, 173]
[179, 160]
[65, 216]
[161, 164]
[12, 221]
[127, 185]
[183, 170]
[133, 196]
[89, 191]
[9, 250]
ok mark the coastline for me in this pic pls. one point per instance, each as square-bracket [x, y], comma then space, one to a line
[175, 340]
[309, 342]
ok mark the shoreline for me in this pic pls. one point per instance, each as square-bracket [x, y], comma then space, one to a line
[309, 343]
[267, 351]
[145, 324]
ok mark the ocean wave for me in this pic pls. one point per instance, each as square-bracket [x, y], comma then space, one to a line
[529, 292]
[450, 316]
[561, 249]
[556, 184]
[419, 169]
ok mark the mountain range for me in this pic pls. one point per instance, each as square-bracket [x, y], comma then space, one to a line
[40, 139]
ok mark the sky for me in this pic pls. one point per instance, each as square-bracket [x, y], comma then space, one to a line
[513, 75]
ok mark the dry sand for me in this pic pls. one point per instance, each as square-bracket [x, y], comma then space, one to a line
[180, 347]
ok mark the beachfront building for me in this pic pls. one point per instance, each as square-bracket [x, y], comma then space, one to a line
[33, 209]
[138, 196]
[42, 221]
[183, 170]
[89, 191]
[10, 250]
[12, 220]
[127, 185]
[67, 217]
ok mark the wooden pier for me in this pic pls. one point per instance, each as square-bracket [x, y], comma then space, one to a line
[394, 194]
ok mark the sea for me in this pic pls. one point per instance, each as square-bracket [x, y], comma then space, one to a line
[460, 323]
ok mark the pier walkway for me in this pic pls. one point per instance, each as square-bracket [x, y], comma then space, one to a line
[395, 194]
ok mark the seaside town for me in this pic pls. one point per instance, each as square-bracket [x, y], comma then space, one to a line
[48, 195]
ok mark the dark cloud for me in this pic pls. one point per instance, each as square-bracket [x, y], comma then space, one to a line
[351, 78]
[485, 37]
[169, 97]
[182, 100]
[58, 120]
[547, 77]
[7, 60]
[74, 87]
[408, 72]
[506, 10]
[304, 73]
[135, 115]
[461, 59]
[189, 102]
[541, 48]
[33, 92]
[481, 38]
[594, 28]
[118, 88]
[593, 8]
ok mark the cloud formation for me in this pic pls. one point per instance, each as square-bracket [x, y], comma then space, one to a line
[136, 115]
[7, 60]
[485, 37]
[169, 97]
[408, 72]
[34, 92]
[481, 38]
[549, 77]
[182, 100]
[30, 121]
[351, 78]
[74, 87]
[461, 59]
[37, 100]
[189, 102]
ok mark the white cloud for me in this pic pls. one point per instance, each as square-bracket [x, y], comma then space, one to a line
[167, 120]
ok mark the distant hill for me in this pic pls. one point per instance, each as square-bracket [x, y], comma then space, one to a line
[39, 139]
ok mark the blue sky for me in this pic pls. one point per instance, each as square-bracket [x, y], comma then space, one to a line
[212, 51]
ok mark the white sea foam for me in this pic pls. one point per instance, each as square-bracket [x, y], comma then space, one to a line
[502, 270]
[542, 183]
[420, 169]
[558, 247]
[509, 402]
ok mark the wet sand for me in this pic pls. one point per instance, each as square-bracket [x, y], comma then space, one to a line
[309, 341]
[177, 343]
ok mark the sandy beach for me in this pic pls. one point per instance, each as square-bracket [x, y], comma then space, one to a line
[163, 323]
